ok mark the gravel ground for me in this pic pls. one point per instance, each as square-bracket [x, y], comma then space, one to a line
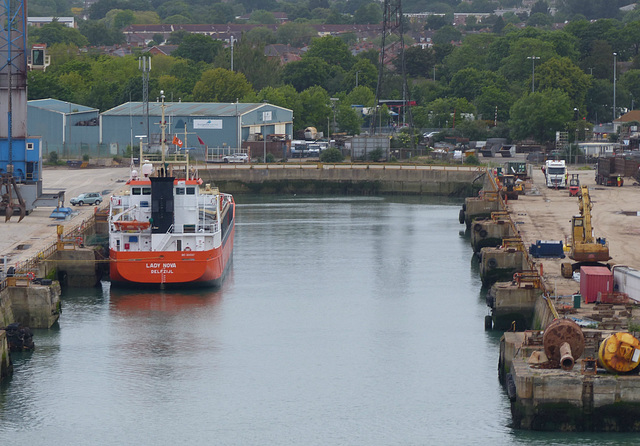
[545, 214]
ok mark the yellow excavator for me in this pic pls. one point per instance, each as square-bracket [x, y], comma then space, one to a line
[585, 249]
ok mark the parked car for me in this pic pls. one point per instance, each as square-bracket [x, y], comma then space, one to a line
[236, 158]
[87, 198]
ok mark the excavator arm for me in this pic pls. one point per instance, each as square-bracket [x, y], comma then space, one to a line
[585, 210]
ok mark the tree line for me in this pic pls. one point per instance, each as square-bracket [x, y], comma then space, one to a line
[506, 81]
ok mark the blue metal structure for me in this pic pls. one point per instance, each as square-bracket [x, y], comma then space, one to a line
[215, 124]
[20, 156]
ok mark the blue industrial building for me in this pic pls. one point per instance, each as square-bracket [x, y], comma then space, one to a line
[196, 124]
[73, 130]
[69, 129]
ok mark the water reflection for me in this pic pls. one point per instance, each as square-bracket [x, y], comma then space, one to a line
[169, 301]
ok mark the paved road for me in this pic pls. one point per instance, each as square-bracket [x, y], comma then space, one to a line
[36, 231]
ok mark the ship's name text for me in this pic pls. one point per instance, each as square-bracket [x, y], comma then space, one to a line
[160, 268]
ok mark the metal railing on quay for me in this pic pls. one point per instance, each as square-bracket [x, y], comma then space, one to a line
[319, 165]
[76, 231]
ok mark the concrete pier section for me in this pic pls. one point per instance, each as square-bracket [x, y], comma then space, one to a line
[502, 262]
[552, 399]
[572, 392]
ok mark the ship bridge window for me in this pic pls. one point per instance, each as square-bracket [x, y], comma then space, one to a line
[146, 191]
[179, 190]
[135, 191]
[191, 190]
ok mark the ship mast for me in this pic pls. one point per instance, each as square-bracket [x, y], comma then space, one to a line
[163, 126]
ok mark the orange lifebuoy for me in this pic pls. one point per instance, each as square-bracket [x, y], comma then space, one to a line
[187, 249]
[31, 275]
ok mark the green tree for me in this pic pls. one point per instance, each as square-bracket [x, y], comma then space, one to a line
[332, 50]
[262, 17]
[98, 34]
[599, 61]
[176, 37]
[631, 35]
[259, 69]
[331, 155]
[494, 100]
[198, 47]
[474, 52]
[540, 7]
[56, 32]
[630, 81]
[220, 85]
[315, 108]
[260, 35]
[43, 85]
[349, 119]
[369, 13]
[361, 95]
[540, 115]
[473, 129]
[123, 19]
[418, 62]
[468, 83]
[423, 91]
[563, 75]
[539, 19]
[220, 13]
[362, 73]
[447, 34]
[306, 73]
[435, 22]
[295, 34]
[174, 8]
[516, 66]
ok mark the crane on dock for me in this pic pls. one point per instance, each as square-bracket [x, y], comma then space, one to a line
[585, 248]
[20, 155]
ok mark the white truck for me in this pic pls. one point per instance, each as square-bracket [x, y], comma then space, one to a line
[555, 174]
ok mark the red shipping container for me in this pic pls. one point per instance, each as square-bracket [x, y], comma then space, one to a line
[594, 280]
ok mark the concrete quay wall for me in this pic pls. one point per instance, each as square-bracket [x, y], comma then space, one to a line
[34, 306]
[351, 179]
[558, 400]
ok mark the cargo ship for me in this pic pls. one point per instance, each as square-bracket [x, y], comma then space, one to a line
[166, 229]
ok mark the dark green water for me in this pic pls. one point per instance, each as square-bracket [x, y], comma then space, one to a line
[344, 321]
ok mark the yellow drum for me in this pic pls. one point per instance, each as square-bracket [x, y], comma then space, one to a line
[620, 352]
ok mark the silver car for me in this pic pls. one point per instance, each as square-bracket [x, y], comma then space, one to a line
[236, 158]
[87, 198]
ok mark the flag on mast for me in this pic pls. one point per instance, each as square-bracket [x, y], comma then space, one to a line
[200, 140]
[177, 141]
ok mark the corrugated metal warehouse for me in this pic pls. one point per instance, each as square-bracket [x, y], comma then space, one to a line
[217, 125]
[69, 129]
[73, 130]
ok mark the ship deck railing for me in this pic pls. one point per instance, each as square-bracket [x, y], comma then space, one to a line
[205, 202]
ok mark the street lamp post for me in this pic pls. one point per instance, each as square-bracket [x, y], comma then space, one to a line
[357, 72]
[615, 57]
[577, 112]
[533, 71]
[333, 106]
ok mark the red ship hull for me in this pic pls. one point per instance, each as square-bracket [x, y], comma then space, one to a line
[192, 268]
